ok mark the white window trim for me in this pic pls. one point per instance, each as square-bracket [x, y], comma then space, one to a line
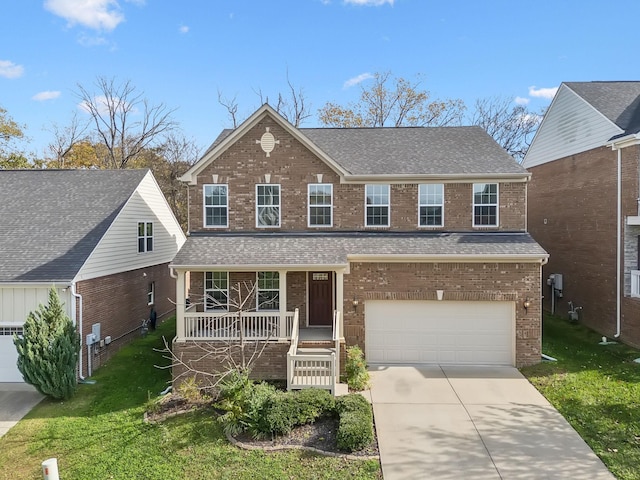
[330, 205]
[145, 236]
[474, 205]
[204, 205]
[151, 293]
[279, 205]
[388, 205]
[207, 290]
[258, 290]
[441, 205]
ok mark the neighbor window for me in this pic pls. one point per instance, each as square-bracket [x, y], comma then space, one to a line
[216, 290]
[320, 204]
[485, 204]
[216, 206]
[377, 205]
[268, 205]
[430, 205]
[151, 293]
[268, 291]
[145, 237]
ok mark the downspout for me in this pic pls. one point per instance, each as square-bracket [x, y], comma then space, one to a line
[618, 239]
[78, 298]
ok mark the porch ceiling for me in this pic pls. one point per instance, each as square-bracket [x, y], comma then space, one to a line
[333, 250]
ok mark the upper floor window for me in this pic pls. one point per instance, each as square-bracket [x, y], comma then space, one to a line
[216, 290]
[268, 290]
[430, 205]
[377, 205]
[216, 206]
[145, 237]
[320, 204]
[267, 205]
[485, 204]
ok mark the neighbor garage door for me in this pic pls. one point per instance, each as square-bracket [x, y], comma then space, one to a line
[432, 332]
[8, 355]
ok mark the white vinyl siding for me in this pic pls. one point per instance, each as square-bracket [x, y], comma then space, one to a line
[117, 251]
[216, 206]
[320, 204]
[570, 126]
[268, 206]
[431, 205]
[377, 205]
[485, 205]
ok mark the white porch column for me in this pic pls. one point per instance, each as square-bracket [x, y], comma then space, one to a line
[180, 304]
[340, 298]
[282, 297]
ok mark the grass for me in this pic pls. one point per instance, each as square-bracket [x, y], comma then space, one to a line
[100, 434]
[597, 389]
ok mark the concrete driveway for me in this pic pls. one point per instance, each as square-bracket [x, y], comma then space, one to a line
[444, 422]
[16, 400]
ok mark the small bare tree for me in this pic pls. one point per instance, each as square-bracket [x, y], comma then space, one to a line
[232, 108]
[235, 352]
[64, 140]
[125, 122]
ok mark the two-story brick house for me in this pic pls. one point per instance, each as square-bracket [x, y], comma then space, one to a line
[417, 237]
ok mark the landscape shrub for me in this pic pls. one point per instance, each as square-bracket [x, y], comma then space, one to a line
[355, 429]
[356, 369]
[290, 409]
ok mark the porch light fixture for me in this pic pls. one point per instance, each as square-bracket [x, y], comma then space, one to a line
[355, 304]
[527, 303]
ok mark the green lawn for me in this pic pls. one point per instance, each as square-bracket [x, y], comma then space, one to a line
[100, 434]
[597, 390]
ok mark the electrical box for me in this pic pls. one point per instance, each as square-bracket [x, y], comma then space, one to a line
[95, 330]
[557, 281]
[107, 339]
[91, 339]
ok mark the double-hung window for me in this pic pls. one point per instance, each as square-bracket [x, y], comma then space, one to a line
[145, 237]
[216, 206]
[485, 204]
[430, 205]
[268, 291]
[377, 206]
[320, 204]
[216, 290]
[267, 206]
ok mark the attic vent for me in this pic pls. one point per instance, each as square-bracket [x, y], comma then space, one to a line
[267, 142]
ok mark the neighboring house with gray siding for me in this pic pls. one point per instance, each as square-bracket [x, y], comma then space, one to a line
[102, 238]
[583, 203]
[414, 239]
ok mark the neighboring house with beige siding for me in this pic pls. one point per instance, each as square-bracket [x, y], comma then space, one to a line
[102, 238]
[583, 203]
[409, 242]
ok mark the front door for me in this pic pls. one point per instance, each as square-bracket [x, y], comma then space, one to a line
[320, 299]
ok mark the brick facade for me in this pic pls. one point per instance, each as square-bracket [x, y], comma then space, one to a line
[119, 303]
[572, 214]
[293, 166]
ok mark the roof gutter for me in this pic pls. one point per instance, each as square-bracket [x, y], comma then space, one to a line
[452, 258]
[451, 177]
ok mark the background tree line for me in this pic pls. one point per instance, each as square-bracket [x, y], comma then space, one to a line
[117, 127]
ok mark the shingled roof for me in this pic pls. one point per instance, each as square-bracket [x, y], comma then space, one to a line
[51, 220]
[618, 101]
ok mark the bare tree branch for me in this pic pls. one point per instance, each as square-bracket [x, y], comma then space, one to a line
[64, 139]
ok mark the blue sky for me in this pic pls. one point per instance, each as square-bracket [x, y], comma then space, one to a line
[182, 53]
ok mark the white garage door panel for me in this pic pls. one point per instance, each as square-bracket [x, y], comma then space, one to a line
[8, 355]
[439, 332]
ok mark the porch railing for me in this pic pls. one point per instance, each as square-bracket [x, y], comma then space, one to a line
[307, 370]
[635, 283]
[229, 325]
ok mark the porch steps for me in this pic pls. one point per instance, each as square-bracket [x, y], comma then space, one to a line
[316, 350]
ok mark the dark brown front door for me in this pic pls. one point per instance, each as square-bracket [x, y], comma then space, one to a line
[320, 299]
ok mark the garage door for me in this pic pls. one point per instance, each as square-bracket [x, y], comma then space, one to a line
[439, 332]
[8, 355]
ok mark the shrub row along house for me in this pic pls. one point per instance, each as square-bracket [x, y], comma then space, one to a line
[413, 239]
[102, 239]
[584, 207]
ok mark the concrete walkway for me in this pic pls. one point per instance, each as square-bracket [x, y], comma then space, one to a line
[473, 423]
[16, 400]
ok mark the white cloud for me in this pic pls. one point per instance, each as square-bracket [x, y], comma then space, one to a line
[95, 14]
[356, 80]
[522, 100]
[104, 105]
[548, 93]
[46, 95]
[10, 70]
[183, 29]
[369, 3]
